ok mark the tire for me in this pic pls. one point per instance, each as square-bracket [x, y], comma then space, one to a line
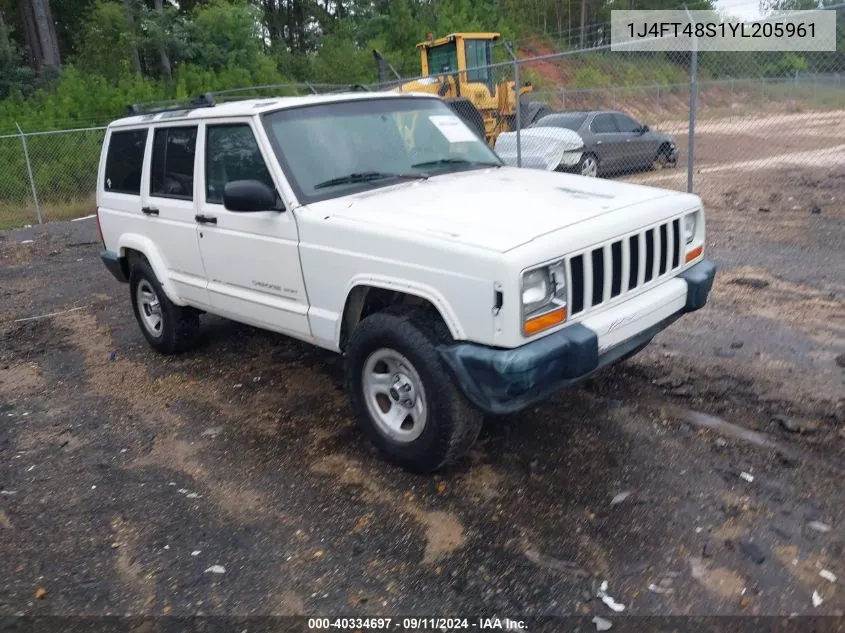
[661, 161]
[588, 165]
[441, 425]
[176, 329]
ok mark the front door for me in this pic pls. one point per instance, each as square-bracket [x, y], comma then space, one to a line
[641, 147]
[251, 259]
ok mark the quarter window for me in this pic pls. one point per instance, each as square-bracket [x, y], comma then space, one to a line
[231, 153]
[172, 169]
[124, 161]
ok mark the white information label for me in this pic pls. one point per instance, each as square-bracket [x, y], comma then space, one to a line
[455, 130]
[679, 30]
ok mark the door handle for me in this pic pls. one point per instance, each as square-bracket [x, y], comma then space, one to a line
[205, 219]
[149, 210]
[598, 142]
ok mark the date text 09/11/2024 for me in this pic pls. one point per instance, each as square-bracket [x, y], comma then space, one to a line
[723, 29]
[415, 624]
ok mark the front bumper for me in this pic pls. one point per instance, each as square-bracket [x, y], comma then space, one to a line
[507, 380]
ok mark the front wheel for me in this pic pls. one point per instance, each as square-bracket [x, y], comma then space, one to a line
[401, 394]
[663, 160]
[588, 166]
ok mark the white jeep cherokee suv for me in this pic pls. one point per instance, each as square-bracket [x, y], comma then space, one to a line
[380, 226]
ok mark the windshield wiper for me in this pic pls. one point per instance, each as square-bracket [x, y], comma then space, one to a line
[367, 176]
[457, 161]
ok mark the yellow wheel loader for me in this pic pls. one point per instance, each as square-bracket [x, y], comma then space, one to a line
[456, 67]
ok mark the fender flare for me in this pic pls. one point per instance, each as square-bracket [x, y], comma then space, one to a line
[147, 248]
[422, 291]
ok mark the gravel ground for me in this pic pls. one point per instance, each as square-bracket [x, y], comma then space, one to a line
[703, 477]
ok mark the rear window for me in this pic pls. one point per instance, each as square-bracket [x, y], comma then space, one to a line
[568, 121]
[124, 161]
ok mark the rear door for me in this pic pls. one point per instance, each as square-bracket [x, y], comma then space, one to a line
[609, 142]
[251, 259]
[168, 203]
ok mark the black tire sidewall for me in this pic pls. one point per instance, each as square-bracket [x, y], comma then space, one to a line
[430, 449]
[168, 342]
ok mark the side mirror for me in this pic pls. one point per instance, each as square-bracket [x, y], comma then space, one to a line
[250, 195]
[644, 129]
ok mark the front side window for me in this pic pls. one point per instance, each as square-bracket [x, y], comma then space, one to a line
[478, 56]
[443, 59]
[172, 168]
[603, 124]
[124, 161]
[626, 123]
[231, 153]
[327, 149]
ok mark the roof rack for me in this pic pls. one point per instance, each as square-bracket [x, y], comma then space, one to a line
[205, 100]
[210, 99]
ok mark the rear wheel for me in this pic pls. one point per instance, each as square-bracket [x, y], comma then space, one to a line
[401, 394]
[167, 327]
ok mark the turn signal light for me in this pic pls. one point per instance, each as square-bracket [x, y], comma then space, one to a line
[535, 324]
[694, 254]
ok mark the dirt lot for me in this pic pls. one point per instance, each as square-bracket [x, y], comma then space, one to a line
[798, 146]
[125, 476]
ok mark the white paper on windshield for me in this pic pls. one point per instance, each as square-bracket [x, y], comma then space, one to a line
[455, 130]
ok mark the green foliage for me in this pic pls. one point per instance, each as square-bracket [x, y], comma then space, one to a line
[225, 35]
[589, 77]
[788, 64]
[108, 42]
[15, 78]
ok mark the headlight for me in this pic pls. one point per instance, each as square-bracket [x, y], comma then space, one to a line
[543, 297]
[536, 290]
[689, 226]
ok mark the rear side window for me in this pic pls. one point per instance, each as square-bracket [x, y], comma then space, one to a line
[231, 153]
[172, 168]
[124, 161]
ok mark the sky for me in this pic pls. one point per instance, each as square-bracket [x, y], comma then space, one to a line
[745, 9]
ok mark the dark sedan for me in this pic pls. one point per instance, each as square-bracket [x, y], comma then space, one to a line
[614, 142]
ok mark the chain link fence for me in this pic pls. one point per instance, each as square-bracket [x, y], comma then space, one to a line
[48, 175]
[708, 123]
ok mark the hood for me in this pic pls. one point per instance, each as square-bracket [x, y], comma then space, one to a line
[540, 147]
[496, 209]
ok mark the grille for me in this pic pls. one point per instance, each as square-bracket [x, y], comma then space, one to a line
[611, 270]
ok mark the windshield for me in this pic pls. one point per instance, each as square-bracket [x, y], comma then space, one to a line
[334, 149]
